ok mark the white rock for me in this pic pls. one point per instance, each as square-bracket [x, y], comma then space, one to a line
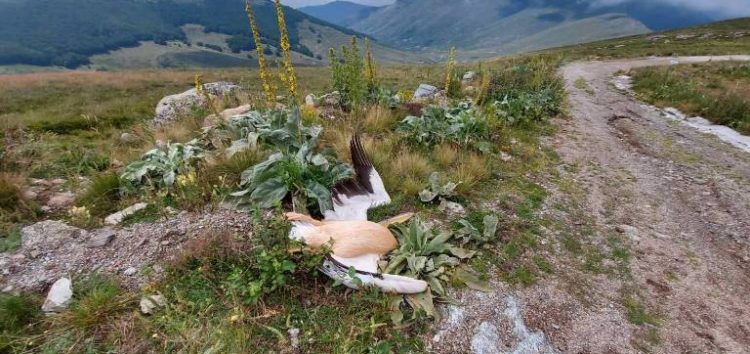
[59, 296]
[628, 231]
[425, 91]
[468, 77]
[451, 208]
[505, 157]
[310, 100]
[294, 337]
[130, 271]
[119, 216]
[151, 302]
[171, 108]
[30, 195]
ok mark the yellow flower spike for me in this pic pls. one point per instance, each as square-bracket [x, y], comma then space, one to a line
[265, 77]
[290, 77]
[450, 69]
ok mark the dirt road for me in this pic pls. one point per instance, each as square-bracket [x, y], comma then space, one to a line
[653, 254]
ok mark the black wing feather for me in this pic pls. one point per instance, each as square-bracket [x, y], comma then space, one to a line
[360, 184]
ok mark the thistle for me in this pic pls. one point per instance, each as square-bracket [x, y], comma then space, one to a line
[369, 66]
[449, 74]
[289, 76]
[265, 77]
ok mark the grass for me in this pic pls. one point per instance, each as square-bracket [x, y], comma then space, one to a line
[213, 302]
[716, 91]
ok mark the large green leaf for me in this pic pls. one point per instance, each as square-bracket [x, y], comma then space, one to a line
[270, 192]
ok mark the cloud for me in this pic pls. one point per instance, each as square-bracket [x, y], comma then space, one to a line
[721, 8]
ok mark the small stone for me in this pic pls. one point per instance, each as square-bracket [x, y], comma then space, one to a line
[452, 208]
[61, 200]
[59, 296]
[505, 157]
[294, 337]
[8, 289]
[101, 238]
[30, 195]
[57, 181]
[310, 100]
[128, 138]
[130, 272]
[486, 339]
[149, 303]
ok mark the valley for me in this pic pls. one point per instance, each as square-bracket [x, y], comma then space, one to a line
[567, 198]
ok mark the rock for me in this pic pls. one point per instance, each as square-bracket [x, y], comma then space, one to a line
[468, 77]
[236, 111]
[237, 146]
[486, 339]
[48, 235]
[30, 195]
[8, 289]
[310, 100]
[505, 157]
[61, 200]
[332, 99]
[294, 337]
[58, 181]
[130, 271]
[101, 238]
[452, 208]
[171, 108]
[59, 296]
[40, 182]
[119, 216]
[151, 302]
[128, 138]
[425, 91]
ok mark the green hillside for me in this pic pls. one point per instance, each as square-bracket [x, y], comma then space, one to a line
[67, 32]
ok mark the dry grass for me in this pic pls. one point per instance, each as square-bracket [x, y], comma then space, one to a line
[379, 119]
[445, 155]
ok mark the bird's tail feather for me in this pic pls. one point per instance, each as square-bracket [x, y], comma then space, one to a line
[387, 282]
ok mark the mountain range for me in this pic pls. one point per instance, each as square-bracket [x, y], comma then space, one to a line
[497, 27]
[342, 13]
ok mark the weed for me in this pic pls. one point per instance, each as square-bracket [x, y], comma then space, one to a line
[637, 312]
[102, 195]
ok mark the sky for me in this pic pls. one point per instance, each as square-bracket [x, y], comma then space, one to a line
[725, 8]
[300, 3]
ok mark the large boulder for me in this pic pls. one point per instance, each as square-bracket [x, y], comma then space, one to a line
[49, 235]
[171, 108]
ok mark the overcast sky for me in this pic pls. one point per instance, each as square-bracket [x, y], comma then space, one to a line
[726, 8]
[300, 3]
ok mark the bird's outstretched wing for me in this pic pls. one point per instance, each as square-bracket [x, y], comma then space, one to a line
[353, 197]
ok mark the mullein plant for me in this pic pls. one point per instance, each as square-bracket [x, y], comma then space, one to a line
[370, 75]
[288, 77]
[265, 77]
[200, 89]
[452, 85]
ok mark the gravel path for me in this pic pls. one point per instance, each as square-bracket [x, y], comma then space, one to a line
[688, 196]
[677, 199]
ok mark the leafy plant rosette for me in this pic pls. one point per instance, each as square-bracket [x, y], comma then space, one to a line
[462, 124]
[430, 255]
[297, 169]
[160, 168]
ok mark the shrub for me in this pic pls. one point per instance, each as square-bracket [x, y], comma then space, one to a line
[526, 92]
[347, 74]
[462, 125]
[159, 168]
[296, 170]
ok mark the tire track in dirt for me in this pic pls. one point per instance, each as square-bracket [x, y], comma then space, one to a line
[686, 207]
